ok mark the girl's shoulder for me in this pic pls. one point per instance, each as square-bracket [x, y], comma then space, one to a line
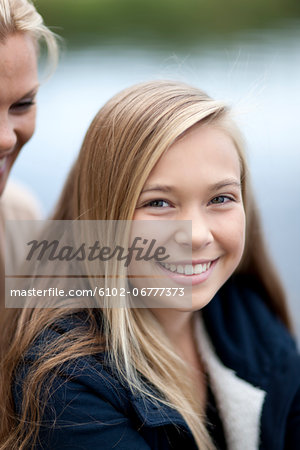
[58, 345]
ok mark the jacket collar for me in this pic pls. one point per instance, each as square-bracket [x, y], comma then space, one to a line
[239, 402]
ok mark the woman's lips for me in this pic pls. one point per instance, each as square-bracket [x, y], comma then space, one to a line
[189, 274]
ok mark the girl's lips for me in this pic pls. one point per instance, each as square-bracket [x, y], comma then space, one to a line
[189, 279]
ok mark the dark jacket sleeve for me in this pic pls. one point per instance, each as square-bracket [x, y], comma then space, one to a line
[86, 407]
[76, 417]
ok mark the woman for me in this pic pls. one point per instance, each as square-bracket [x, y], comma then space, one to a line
[151, 377]
[21, 31]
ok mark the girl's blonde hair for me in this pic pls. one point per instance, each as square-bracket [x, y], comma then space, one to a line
[20, 16]
[123, 144]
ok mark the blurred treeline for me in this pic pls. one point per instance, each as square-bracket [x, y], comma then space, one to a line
[142, 22]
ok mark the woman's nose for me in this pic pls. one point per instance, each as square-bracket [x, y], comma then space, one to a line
[194, 231]
[8, 137]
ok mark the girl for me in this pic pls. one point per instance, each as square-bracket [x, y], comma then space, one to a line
[220, 372]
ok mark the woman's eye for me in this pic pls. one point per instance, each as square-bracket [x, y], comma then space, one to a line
[23, 105]
[157, 204]
[221, 199]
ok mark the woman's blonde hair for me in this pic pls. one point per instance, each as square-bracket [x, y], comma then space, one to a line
[123, 144]
[20, 16]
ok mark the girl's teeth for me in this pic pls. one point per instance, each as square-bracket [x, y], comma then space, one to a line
[179, 269]
[198, 269]
[188, 269]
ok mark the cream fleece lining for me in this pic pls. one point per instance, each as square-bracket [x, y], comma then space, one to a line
[239, 403]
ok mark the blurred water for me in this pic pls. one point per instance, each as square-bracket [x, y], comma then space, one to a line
[259, 75]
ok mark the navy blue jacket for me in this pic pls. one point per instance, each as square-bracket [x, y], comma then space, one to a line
[90, 408]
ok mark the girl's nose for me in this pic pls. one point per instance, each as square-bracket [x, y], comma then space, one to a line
[195, 232]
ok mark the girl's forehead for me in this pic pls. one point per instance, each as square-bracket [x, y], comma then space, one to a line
[206, 151]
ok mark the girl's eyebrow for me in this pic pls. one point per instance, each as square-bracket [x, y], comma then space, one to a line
[158, 187]
[213, 187]
[224, 183]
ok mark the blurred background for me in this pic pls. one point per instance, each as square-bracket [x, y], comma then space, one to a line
[246, 52]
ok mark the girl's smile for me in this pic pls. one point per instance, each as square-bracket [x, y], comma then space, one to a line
[189, 273]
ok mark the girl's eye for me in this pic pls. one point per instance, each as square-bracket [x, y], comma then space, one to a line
[157, 204]
[220, 199]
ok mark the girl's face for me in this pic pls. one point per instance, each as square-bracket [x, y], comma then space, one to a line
[18, 88]
[198, 179]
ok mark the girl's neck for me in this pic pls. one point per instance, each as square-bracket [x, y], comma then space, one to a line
[179, 327]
